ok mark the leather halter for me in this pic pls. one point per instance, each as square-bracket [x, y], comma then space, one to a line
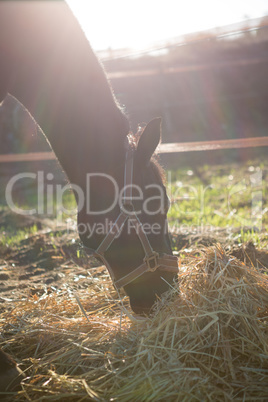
[152, 260]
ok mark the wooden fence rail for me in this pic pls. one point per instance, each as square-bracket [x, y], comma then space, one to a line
[29, 157]
[213, 145]
[191, 67]
[176, 147]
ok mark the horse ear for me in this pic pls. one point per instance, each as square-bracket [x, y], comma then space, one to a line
[149, 140]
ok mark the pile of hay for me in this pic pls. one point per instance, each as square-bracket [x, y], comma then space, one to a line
[207, 340]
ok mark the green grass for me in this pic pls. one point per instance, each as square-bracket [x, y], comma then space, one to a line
[231, 197]
[11, 235]
[48, 206]
[225, 197]
[11, 238]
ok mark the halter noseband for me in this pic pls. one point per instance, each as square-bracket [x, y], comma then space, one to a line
[152, 259]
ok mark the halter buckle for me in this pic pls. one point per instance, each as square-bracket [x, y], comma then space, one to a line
[152, 261]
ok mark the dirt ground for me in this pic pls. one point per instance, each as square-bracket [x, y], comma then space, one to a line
[55, 299]
[53, 257]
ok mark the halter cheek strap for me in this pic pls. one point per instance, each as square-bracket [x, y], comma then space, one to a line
[152, 260]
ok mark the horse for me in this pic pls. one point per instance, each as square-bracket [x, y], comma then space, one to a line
[47, 64]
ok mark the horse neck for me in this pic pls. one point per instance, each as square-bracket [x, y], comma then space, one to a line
[54, 73]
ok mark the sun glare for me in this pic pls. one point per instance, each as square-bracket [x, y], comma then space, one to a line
[136, 25]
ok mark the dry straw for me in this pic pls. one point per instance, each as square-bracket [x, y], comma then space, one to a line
[206, 341]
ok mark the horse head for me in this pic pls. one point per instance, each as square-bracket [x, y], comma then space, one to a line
[134, 243]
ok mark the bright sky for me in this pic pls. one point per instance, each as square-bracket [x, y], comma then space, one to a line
[139, 23]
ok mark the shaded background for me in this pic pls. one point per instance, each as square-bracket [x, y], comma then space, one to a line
[210, 86]
[207, 88]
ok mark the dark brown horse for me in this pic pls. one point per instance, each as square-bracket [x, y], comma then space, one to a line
[46, 62]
